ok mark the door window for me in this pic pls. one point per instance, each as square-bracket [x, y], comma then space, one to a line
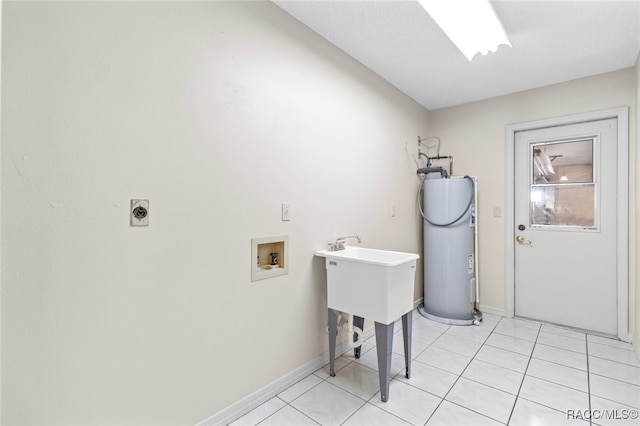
[563, 190]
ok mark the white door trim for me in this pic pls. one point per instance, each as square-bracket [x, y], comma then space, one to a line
[622, 115]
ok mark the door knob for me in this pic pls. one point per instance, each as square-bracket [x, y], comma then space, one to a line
[523, 240]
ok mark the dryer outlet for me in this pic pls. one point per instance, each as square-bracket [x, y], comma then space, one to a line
[139, 213]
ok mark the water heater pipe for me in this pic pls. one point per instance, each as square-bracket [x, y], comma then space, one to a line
[427, 170]
[472, 198]
[475, 243]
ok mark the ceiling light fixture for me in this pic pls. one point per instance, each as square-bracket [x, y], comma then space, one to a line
[472, 25]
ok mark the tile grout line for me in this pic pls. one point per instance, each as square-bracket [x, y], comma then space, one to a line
[394, 378]
[442, 399]
[460, 375]
[586, 347]
[454, 383]
[550, 381]
[524, 375]
[484, 343]
[313, 387]
[413, 359]
[303, 393]
[365, 402]
[286, 404]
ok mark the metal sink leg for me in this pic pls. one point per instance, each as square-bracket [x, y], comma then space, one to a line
[333, 331]
[407, 323]
[384, 343]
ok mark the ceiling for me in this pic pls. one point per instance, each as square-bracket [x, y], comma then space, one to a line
[553, 41]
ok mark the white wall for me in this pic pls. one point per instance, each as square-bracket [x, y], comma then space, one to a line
[474, 134]
[1, 7]
[216, 112]
[635, 259]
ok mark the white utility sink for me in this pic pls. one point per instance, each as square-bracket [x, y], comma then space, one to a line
[370, 283]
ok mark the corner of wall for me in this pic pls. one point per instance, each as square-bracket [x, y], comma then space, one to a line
[635, 319]
[1, 6]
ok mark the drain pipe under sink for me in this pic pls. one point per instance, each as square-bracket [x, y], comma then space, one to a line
[351, 330]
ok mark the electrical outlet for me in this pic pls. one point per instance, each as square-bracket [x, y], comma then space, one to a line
[139, 213]
[286, 211]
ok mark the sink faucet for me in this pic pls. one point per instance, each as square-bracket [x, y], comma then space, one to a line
[339, 244]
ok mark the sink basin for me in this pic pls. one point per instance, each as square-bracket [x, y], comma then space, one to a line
[370, 283]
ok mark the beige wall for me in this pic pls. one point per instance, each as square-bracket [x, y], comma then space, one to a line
[475, 135]
[216, 112]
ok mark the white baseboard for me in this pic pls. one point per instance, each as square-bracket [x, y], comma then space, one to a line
[483, 308]
[242, 407]
[259, 397]
[636, 344]
[492, 310]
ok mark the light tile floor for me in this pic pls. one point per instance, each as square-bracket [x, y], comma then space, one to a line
[504, 371]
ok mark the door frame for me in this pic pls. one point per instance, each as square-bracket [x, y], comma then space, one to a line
[622, 237]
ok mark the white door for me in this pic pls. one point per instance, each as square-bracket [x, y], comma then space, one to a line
[565, 219]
